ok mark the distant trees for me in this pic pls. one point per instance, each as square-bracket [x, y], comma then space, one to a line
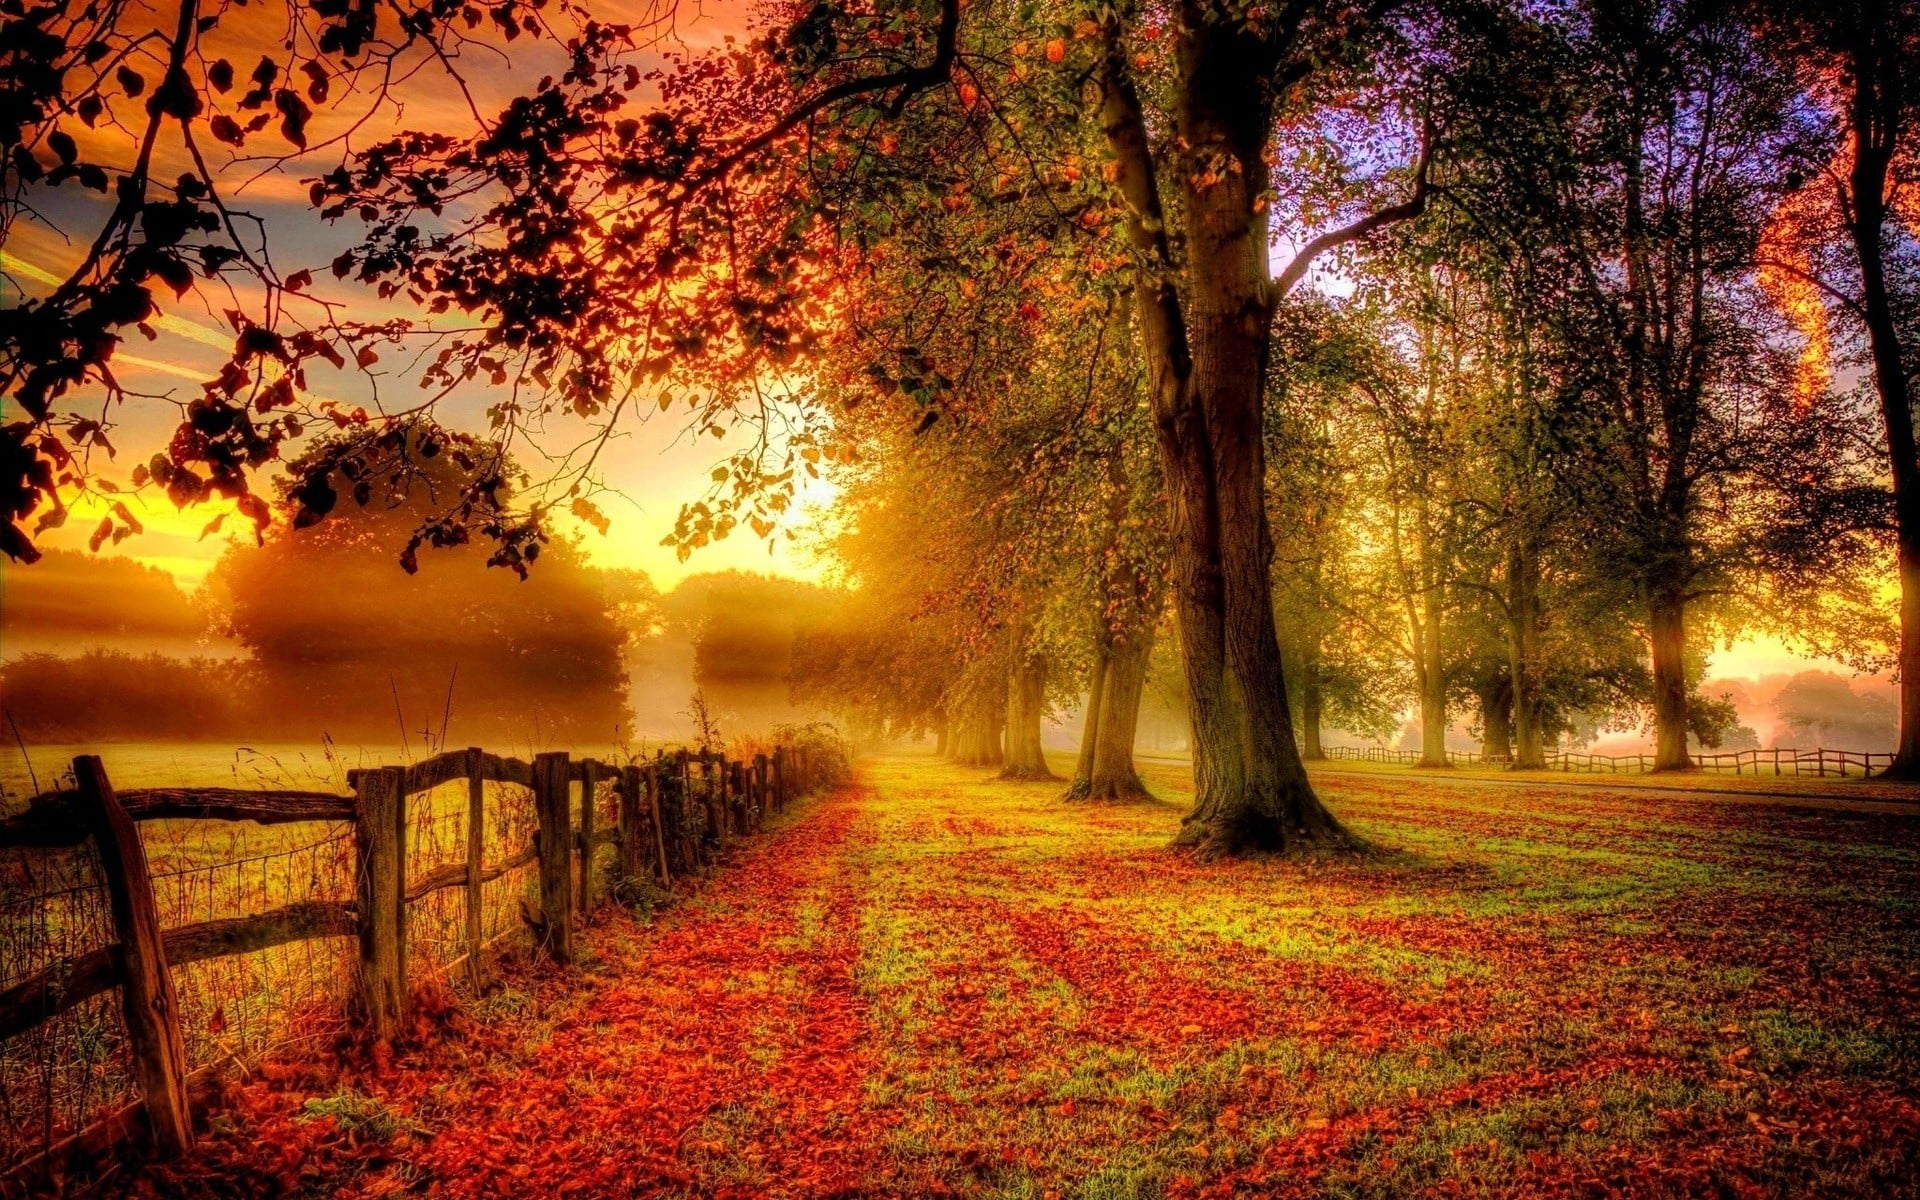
[455, 648]
[69, 595]
[110, 695]
[1628, 160]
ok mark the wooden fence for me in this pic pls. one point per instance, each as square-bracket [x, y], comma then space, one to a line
[672, 815]
[1780, 761]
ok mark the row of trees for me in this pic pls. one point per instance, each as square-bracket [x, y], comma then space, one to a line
[1030, 275]
[1567, 428]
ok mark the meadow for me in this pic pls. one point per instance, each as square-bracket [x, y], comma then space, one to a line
[930, 983]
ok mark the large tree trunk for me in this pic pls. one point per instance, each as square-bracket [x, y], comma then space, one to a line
[940, 739]
[1206, 359]
[1026, 706]
[1876, 120]
[1523, 666]
[1667, 633]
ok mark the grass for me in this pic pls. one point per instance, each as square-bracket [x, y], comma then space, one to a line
[937, 984]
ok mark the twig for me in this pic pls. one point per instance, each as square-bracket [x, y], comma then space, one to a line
[22, 743]
[447, 714]
[398, 719]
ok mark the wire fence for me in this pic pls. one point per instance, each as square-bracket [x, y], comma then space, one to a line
[1783, 761]
[274, 922]
[66, 1074]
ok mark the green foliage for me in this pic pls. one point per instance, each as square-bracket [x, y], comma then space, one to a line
[358, 1115]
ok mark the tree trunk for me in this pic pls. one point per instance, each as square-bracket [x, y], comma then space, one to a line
[1875, 117]
[1667, 631]
[1312, 704]
[1433, 690]
[1523, 668]
[1082, 783]
[1206, 358]
[975, 738]
[1114, 776]
[940, 740]
[1496, 719]
[1026, 706]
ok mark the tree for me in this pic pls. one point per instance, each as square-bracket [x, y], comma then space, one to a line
[703, 237]
[1339, 660]
[1857, 61]
[376, 652]
[1205, 303]
[1630, 153]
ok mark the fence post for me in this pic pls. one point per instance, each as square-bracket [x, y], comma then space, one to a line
[631, 860]
[762, 792]
[742, 799]
[476, 863]
[659, 826]
[379, 829]
[553, 806]
[146, 985]
[716, 832]
[589, 781]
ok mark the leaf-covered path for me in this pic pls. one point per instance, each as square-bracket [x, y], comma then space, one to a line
[932, 984]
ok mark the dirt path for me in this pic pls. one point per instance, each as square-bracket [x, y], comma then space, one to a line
[933, 984]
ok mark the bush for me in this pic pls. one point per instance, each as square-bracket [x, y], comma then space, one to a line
[824, 745]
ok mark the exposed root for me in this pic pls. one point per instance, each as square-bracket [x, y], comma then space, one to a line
[1898, 772]
[1127, 791]
[1023, 774]
[1253, 830]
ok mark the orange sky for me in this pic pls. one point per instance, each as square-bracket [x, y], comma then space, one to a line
[652, 467]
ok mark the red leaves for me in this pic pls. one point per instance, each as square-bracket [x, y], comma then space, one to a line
[957, 990]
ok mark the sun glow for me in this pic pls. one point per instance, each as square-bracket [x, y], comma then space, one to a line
[1787, 274]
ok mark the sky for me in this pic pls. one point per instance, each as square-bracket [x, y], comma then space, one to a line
[652, 466]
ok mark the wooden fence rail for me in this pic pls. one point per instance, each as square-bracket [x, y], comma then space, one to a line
[674, 814]
[1778, 761]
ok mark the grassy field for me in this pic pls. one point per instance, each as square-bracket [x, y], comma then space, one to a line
[933, 984]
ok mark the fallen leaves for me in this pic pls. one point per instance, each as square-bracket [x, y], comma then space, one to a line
[936, 987]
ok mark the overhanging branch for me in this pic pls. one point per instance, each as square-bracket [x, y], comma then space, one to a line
[1406, 210]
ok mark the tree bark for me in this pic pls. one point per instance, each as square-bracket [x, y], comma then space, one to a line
[1667, 633]
[1114, 776]
[1433, 688]
[1207, 357]
[1090, 725]
[1026, 706]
